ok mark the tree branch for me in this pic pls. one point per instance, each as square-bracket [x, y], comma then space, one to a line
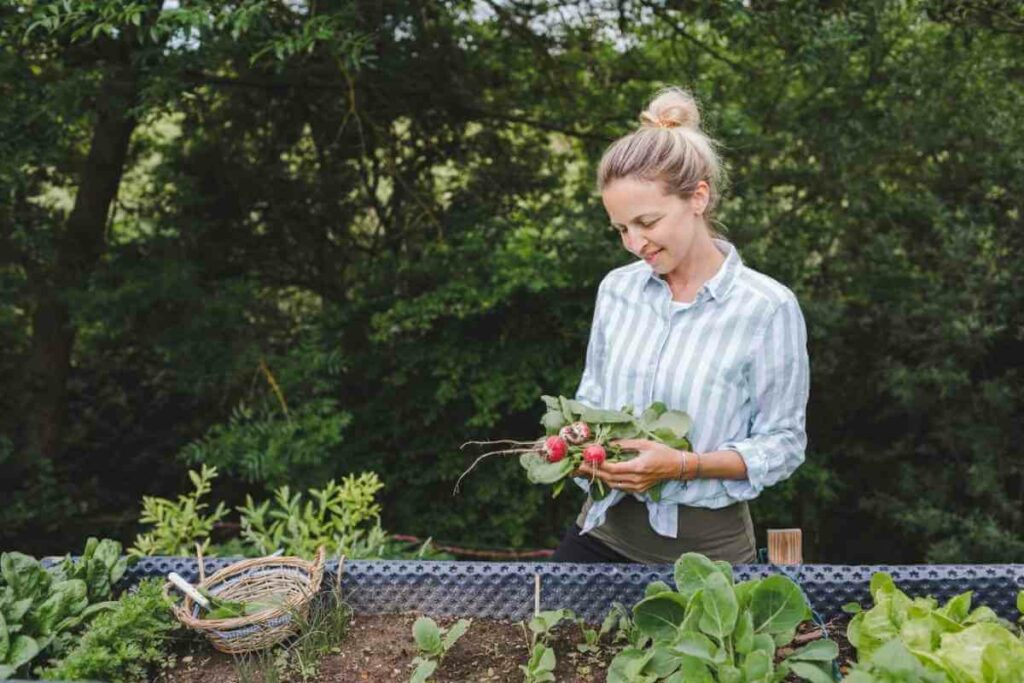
[660, 12]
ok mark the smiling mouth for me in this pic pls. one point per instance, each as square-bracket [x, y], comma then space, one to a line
[650, 257]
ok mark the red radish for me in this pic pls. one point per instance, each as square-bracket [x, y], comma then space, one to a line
[555, 448]
[594, 454]
[576, 433]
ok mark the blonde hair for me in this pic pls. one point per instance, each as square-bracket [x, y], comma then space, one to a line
[669, 147]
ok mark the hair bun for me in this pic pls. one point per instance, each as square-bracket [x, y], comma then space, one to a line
[671, 108]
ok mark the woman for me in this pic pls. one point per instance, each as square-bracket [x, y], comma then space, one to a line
[693, 327]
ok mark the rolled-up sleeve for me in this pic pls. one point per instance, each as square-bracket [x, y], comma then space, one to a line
[779, 376]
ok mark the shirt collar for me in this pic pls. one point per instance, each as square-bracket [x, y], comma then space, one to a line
[722, 281]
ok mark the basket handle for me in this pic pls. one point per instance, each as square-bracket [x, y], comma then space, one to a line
[199, 559]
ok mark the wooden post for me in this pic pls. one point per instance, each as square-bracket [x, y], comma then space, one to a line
[785, 546]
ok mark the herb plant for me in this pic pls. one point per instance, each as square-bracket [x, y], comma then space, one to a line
[709, 628]
[344, 517]
[125, 643]
[179, 525]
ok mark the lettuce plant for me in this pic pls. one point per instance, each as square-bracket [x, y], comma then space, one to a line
[39, 610]
[711, 629]
[914, 639]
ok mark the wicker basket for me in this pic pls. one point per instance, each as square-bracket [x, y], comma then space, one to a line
[291, 578]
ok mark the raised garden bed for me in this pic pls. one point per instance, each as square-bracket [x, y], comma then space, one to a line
[502, 590]
[384, 598]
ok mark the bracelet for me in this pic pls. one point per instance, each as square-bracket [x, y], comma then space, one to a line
[697, 476]
[682, 470]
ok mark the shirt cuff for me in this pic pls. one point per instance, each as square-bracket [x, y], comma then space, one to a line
[757, 471]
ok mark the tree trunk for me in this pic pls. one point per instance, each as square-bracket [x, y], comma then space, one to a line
[79, 249]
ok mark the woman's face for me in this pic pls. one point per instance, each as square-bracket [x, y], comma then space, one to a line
[656, 227]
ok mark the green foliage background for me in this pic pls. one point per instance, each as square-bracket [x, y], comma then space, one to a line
[350, 235]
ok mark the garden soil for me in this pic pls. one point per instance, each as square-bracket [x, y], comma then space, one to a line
[381, 648]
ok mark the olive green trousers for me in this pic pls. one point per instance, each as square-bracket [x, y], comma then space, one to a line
[722, 534]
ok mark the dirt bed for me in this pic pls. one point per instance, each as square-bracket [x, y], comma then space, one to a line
[381, 648]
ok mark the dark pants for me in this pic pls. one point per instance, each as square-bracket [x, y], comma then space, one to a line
[576, 547]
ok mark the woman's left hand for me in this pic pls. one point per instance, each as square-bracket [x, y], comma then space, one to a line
[655, 462]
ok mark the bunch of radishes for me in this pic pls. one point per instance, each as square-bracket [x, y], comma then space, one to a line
[557, 446]
[578, 434]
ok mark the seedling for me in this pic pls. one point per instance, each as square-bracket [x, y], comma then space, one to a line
[541, 665]
[434, 643]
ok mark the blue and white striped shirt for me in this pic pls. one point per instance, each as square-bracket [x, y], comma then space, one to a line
[735, 359]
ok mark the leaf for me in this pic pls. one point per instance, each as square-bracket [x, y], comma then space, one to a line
[24, 574]
[699, 646]
[720, 607]
[552, 422]
[552, 403]
[566, 409]
[852, 608]
[5, 638]
[763, 641]
[548, 619]
[540, 471]
[881, 582]
[725, 568]
[744, 590]
[784, 638]
[656, 587]
[818, 651]
[981, 615]
[627, 665]
[691, 572]
[668, 437]
[692, 670]
[757, 665]
[427, 635]
[543, 658]
[727, 673]
[659, 616]
[457, 630]
[811, 672]
[22, 650]
[624, 430]
[962, 652]
[693, 614]
[958, 607]
[597, 416]
[663, 662]
[743, 636]
[920, 634]
[423, 671]
[90, 549]
[676, 421]
[894, 657]
[777, 605]
[1020, 602]
[653, 412]
[1002, 665]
